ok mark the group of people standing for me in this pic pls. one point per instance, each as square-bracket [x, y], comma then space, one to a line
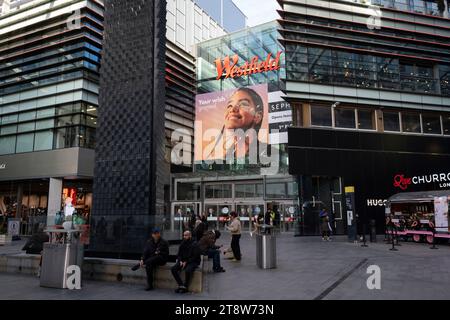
[196, 242]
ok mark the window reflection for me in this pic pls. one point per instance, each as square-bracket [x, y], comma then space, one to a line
[391, 121]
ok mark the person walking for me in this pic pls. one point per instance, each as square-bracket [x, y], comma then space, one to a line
[270, 215]
[235, 229]
[325, 225]
[188, 259]
[156, 253]
[208, 247]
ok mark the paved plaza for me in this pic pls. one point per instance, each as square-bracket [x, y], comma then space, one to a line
[307, 269]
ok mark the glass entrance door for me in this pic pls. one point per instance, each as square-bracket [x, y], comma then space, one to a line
[285, 214]
[182, 214]
[247, 214]
[218, 215]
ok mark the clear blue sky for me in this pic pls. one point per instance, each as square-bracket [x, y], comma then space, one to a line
[258, 11]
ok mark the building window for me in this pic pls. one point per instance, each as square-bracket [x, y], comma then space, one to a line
[419, 6]
[8, 130]
[27, 116]
[345, 118]
[446, 124]
[24, 127]
[444, 75]
[9, 119]
[218, 191]
[391, 121]
[417, 78]
[45, 124]
[66, 137]
[7, 145]
[275, 190]
[259, 190]
[292, 189]
[87, 137]
[188, 191]
[431, 124]
[366, 120]
[245, 190]
[43, 140]
[25, 143]
[411, 123]
[321, 116]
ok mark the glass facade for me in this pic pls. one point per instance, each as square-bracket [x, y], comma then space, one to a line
[258, 41]
[329, 66]
[392, 121]
[429, 7]
[347, 54]
[225, 12]
[254, 43]
[49, 79]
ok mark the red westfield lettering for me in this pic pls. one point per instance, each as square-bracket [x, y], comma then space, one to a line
[229, 66]
[401, 182]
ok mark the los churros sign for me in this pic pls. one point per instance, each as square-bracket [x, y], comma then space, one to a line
[230, 67]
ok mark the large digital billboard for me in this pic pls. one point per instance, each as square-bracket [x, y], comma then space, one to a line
[231, 123]
[240, 125]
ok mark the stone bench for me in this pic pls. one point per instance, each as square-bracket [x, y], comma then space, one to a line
[114, 270]
[20, 263]
[111, 270]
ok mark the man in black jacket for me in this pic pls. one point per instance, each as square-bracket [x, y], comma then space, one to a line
[188, 259]
[207, 246]
[156, 253]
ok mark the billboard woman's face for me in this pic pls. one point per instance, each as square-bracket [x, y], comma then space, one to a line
[241, 112]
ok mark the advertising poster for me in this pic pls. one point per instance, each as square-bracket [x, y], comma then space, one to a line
[280, 118]
[219, 113]
[14, 227]
[441, 214]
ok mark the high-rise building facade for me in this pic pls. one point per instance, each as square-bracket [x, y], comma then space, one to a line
[369, 86]
[49, 82]
[49, 72]
[226, 13]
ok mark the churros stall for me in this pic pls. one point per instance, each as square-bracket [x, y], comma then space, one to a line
[420, 216]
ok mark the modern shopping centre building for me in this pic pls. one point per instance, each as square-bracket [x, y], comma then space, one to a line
[367, 90]
[341, 94]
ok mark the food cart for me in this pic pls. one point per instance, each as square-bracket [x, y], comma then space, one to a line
[420, 216]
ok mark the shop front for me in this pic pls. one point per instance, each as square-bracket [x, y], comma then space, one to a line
[419, 216]
[27, 201]
[375, 165]
[34, 187]
[248, 197]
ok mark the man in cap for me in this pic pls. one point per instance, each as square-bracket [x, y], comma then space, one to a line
[156, 253]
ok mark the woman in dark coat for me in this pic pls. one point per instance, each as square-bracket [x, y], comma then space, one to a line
[325, 225]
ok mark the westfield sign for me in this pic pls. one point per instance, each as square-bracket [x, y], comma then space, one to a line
[230, 67]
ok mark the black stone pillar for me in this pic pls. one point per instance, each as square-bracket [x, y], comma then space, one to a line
[129, 165]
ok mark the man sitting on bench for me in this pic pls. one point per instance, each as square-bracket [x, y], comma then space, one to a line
[156, 253]
[208, 247]
[188, 259]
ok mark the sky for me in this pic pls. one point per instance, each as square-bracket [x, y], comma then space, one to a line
[258, 11]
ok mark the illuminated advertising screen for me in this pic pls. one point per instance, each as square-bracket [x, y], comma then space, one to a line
[241, 125]
[231, 123]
